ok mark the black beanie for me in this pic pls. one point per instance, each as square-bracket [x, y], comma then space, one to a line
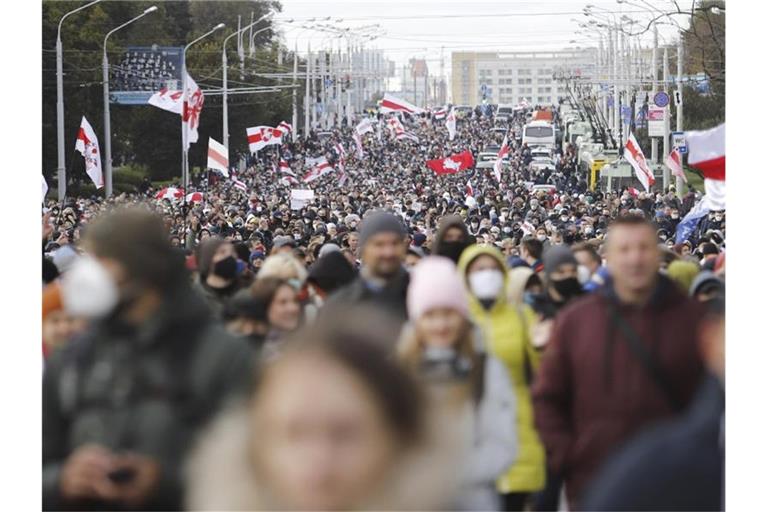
[555, 256]
[380, 222]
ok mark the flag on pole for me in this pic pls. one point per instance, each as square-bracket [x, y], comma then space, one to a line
[261, 136]
[440, 113]
[363, 127]
[285, 127]
[358, 144]
[192, 110]
[285, 169]
[318, 170]
[45, 189]
[167, 99]
[218, 157]
[470, 191]
[634, 155]
[706, 152]
[88, 146]
[396, 127]
[675, 163]
[239, 184]
[503, 153]
[452, 164]
[450, 123]
[392, 104]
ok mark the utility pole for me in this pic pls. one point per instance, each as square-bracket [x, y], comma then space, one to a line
[323, 89]
[665, 77]
[679, 125]
[339, 67]
[616, 100]
[350, 81]
[313, 92]
[306, 91]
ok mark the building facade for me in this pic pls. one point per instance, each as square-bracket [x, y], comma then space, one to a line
[511, 77]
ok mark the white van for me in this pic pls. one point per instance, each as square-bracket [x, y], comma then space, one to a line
[539, 133]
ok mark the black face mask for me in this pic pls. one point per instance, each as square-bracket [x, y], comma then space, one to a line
[226, 268]
[568, 288]
[452, 250]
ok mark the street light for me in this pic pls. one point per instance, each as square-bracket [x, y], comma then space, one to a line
[61, 162]
[225, 113]
[107, 128]
[184, 135]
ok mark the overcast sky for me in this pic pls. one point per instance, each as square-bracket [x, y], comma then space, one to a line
[416, 28]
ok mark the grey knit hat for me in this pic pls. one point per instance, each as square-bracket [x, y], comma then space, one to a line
[380, 222]
[555, 256]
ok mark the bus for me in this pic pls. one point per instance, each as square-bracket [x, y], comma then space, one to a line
[539, 133]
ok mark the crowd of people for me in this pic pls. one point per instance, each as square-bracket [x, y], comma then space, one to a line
[404, 340]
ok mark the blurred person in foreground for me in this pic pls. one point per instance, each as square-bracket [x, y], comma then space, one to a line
[678, 464]
[439, 346]
[58, 325]
[506, 331]
[122, 402]
[382, 281]
[332, 424]
[633, 362]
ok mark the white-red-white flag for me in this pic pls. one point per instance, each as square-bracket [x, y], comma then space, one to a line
[470, 191]
[502, 154]
[195, 197]
[285, 127]
[634, 155]
[88, 146]
[318, 170]
[358, 144]
[218, 157]
[440, 113]
[363, 127]
[392, 104]
[261, 136]
[170, 193]
[450, 123]
[240, 185]
[675, 163]
[285, 169]
[45, 189]
[706, 152]
[192, 110]
[167, 99]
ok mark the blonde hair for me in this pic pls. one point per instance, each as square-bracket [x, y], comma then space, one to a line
[282, 266]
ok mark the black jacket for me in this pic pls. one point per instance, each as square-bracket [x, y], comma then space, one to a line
[146, 389]
[391, 299]
[677, 465]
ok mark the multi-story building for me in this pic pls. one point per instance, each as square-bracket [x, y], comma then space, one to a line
[511, 77]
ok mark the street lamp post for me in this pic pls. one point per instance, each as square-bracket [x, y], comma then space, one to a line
[61, 162]
[225, 111]
[107, 125]
[184, 134]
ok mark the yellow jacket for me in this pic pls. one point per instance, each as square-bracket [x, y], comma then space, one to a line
[505, 336]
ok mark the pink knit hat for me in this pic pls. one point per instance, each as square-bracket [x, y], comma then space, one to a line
[435, 283]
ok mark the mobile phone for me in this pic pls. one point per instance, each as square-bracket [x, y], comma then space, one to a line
[122, 475]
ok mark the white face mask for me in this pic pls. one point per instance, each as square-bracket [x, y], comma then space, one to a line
[583, 274]
[486, 284]
[88, 289]
[541, 238]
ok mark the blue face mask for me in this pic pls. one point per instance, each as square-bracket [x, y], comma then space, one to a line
[529, 298]
[241, 266]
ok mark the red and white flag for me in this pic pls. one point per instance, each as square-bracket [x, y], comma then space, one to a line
[285, 169]
[218, 157]
[318, 170]
[285, 127]
[706, 152]
[634, 155]
[88, 146]
[440, 113]
[452, 164]
[392, 104]
[675, 163]
[470, 191]
[171, 101]
[261, 136]
[396, 127]
[287, 181]
[340, 150]
[450, 123]
[195, 197]
[363, 127]
[358, 144]
[240, 185]
[170, 193]
[633, 191]
[503, 153]
[45, 188]
[528, 228]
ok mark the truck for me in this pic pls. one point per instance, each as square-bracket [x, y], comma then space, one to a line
[542, 115]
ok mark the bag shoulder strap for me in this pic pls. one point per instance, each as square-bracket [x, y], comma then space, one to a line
[650, 363]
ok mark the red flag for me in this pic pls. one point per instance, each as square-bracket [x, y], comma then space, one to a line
[452, 164]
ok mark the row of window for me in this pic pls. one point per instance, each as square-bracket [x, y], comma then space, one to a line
[510, 81]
